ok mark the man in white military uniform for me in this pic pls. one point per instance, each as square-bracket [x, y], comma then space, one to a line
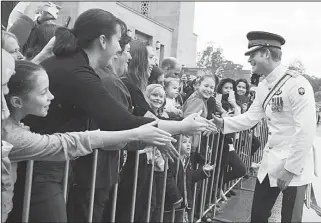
[287, 163]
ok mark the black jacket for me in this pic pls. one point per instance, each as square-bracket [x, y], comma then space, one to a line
[81, 102]
[184, 188]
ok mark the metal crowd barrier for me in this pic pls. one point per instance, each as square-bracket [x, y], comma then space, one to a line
[209, 188]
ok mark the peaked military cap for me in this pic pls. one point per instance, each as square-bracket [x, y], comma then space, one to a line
[260, 39]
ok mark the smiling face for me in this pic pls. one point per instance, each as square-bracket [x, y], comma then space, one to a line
[156, 98]
[259, 62]
[122, 60]
[207, 87]
[151, 61]
[38, 99]
[241, 88]
[109, 46]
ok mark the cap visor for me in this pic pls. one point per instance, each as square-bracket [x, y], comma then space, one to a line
[252, 49]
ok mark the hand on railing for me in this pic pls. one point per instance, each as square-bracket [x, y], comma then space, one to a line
[208, 167]
[148, 133]
[194, 123]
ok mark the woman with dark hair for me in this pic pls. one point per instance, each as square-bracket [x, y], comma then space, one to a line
[157, 76]
[243, 95]
[228, 99]
[83, 103]
[242, 92]
[38, 39]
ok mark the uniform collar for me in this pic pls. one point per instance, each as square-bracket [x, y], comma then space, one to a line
[276, 73]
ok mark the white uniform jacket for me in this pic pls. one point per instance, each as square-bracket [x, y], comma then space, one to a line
[292, 127]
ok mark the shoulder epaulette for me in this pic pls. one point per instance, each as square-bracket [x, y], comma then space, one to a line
[293, 73]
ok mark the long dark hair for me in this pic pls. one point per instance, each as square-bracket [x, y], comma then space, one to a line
[88, 26]
[155, 74]
[247, 85]
[38, 39]
[137, 67]
[223, 82]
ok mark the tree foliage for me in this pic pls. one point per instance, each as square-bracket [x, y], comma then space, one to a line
[212, 58]
[299, 66]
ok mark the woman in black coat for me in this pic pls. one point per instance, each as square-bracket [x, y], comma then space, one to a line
[82, 102]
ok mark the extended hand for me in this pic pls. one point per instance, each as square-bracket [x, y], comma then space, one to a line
[208, 167]
[169, 151]
[152, 135]
[284, 179]
[195, 124]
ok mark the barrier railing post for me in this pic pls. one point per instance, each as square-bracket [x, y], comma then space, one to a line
[65, 180]
[115, 192]
[177, 169]
[132, 211]
[150, 192]
[163, 191]
[93, 186]
[27, 194]
[203, 181]
[195, 185]
[210, 161]
[215, 165]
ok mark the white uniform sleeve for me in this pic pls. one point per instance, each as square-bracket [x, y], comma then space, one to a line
[303, 111]
[246, 120]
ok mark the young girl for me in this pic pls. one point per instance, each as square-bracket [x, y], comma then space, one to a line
[172, 107]
[29, 94]
[155, 96]
[197, 102]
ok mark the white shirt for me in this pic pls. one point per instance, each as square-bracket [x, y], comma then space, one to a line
[291, 130]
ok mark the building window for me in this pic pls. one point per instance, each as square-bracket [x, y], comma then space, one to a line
[144, 7]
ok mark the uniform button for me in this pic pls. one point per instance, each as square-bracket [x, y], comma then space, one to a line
[270, 133]
[269, 119]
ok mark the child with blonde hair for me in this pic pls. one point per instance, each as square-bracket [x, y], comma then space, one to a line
[172, 106]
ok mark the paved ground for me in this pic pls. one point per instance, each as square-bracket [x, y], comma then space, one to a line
[238, 208]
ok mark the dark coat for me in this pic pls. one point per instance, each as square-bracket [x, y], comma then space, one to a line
[125, 191]
[186, 178]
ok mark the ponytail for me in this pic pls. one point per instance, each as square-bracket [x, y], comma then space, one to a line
[88, 26]
[66, 42]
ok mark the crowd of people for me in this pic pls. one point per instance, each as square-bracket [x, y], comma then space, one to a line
[67, 92]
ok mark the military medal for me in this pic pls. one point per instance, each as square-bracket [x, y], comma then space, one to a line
[277, 104]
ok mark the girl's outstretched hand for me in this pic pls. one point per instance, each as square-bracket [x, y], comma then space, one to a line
[149, 134]
[194, 123]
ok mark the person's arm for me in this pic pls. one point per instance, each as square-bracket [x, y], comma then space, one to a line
[90, 95]
[246, 120]
[22, 28]
[303, 110]
[199, 174]
[193, 105]
[64, 146]
[45, 53]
